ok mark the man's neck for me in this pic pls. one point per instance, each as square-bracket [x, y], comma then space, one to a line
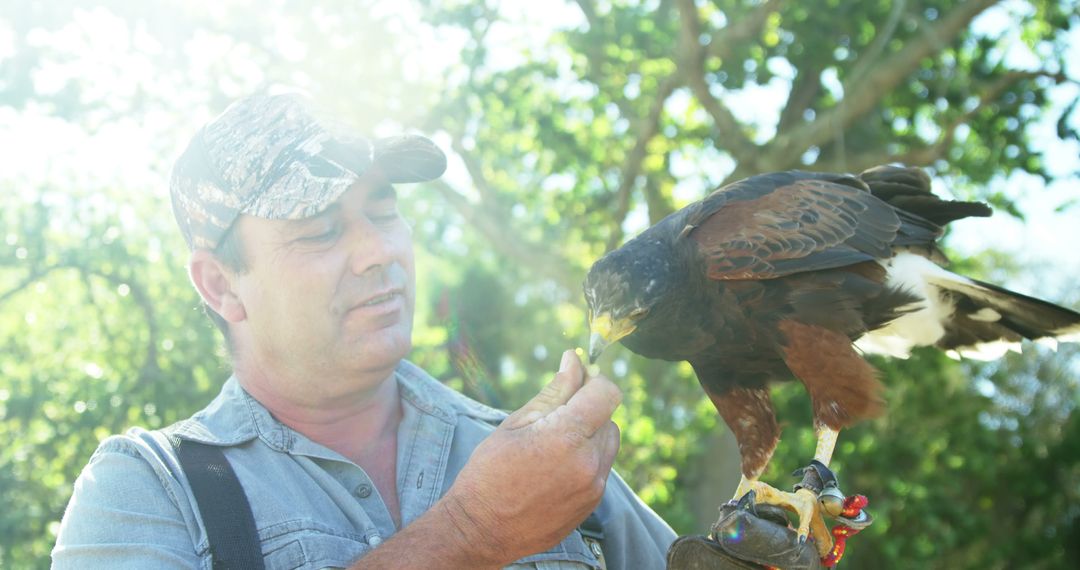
[351, 423]
[361, 426]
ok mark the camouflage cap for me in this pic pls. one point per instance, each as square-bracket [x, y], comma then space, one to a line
[270, 155]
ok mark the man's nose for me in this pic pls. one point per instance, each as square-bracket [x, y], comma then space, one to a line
[371, 247]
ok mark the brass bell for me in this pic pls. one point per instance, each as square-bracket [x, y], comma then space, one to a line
[832, 501]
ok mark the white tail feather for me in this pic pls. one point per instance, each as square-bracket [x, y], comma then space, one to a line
[925, 324]
[922, 326]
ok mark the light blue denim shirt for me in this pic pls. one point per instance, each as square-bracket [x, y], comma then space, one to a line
[132, 506]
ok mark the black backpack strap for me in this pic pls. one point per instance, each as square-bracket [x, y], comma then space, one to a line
[223, 506]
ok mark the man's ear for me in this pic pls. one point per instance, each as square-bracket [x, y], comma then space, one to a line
[215, 284]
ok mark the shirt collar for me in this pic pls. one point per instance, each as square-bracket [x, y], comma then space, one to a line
[433, 397]
[235, 417]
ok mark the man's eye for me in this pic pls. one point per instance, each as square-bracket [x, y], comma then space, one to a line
[322, 235]
[383, 217]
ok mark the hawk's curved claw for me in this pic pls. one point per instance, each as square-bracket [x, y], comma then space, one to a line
[746, 502]
[803, 503]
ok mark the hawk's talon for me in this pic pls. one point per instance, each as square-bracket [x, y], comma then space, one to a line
[803, 503]
[746, 502]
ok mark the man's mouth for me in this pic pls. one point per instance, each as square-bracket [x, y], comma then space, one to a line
[385, 298]
[379, 299]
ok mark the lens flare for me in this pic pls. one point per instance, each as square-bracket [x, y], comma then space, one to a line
[735, 532]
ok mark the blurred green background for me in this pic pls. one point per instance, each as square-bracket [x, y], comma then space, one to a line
[571, 126]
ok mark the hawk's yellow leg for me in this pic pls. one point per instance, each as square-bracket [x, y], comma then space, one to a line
[804, 502]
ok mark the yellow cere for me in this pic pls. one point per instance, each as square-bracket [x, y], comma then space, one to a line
[601, 325]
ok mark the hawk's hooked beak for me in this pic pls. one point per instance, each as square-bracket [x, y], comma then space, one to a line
[606, 331]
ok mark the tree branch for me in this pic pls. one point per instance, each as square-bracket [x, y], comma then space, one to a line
[724, 41]
[803, 90]
[488, 194]
[92, 300]
[594, 50]
[932, 152]
[588, 8]
[925, 155]
[808, 82]
[508, 243]
[594, 55]
[919, 155]
[876, 47]
[30, 279]
[691, 62]
[137, 294]
[659, 206]
[860, 162]
[887, 74]
[632, 167]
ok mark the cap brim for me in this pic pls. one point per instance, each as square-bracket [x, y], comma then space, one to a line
[407, 159]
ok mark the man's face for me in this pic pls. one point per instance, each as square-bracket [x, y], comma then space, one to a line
[332, 294]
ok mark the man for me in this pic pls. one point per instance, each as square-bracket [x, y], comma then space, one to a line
[349, 455]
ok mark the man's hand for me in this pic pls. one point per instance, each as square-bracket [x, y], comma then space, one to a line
[541, 472]
[525, 488]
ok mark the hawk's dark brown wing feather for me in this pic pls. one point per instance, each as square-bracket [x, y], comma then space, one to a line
[772, 226]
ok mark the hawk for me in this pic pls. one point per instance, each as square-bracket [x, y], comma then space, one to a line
[796, 275]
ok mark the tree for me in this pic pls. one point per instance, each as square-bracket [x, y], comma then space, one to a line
[642, 107]
[566, 139]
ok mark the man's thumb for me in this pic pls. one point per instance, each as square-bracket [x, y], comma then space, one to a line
[565, 384]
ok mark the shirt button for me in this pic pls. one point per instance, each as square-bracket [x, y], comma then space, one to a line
[363, 491]
[374, 541]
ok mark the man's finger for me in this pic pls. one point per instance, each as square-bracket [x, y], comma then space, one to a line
[593, 405]
[566, 382]
[608, 437]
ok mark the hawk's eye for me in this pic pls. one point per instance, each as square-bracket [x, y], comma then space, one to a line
[638, 313]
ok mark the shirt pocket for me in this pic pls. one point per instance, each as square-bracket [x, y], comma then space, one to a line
[570, 554]
[309, 548]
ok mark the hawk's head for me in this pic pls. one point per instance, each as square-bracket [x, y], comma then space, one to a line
[624, 286]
